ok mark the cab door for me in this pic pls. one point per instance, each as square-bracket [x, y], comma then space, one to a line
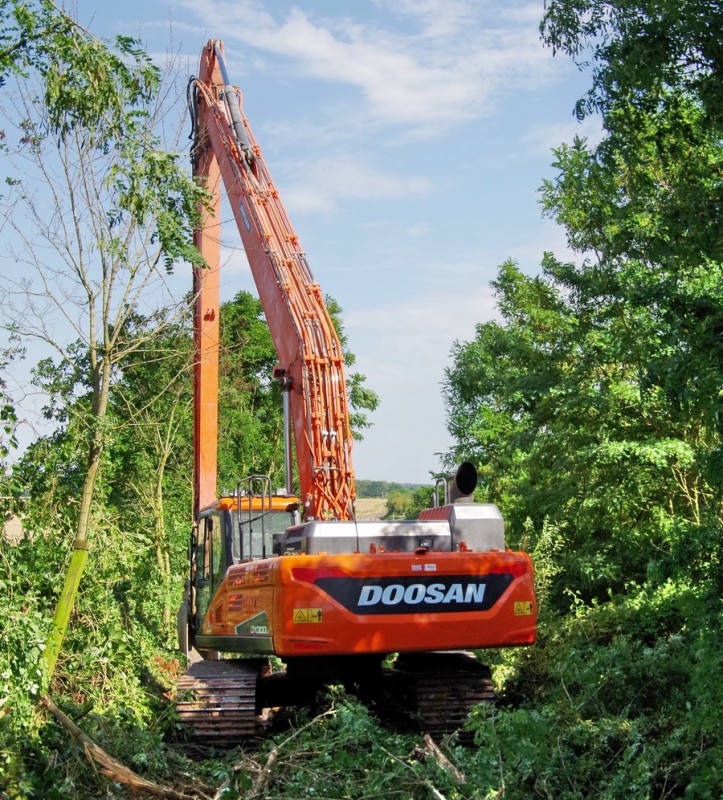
[210, 562]
[203, 570]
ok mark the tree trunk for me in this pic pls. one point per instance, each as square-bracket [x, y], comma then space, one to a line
[79, 558]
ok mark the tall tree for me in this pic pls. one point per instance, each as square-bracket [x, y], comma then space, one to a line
[639, 50]
[98, 211]
[250, 421]
[647, 202]
[595, 411]
[598, 400]
[150, 404]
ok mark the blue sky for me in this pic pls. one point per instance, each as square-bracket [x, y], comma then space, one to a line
[408, 139]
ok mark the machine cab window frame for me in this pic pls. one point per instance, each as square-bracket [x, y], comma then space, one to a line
[211, 558]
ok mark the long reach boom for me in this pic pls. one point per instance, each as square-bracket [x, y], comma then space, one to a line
[311, 364]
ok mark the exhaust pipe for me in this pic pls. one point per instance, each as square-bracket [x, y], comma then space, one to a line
[463, 484]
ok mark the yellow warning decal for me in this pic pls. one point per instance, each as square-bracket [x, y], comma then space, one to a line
[523, 609]
[307, 615]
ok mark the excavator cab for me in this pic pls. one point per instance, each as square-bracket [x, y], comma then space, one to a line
[260, 520]
[245, 526]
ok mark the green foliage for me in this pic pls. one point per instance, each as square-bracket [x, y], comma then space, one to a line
[627, 687]
[79, 72]
[118, 658]
[345, 753]
[407, 503]
[113, 666]
[102, 92]
[28, 578]
[638, 49]
[367, 488]
[566, 423]
[593, 412]
[87, 116]
[399, 504]
[250, 420]
[8, 425]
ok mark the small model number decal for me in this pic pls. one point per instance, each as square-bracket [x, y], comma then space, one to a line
[258, 625]
[523, 608]
[308, 615]
[259, 630]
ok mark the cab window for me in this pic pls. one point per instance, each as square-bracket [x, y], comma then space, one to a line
[203, 567]
[217, 566]
[254, 537]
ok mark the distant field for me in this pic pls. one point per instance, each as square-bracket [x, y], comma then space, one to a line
[371, 507]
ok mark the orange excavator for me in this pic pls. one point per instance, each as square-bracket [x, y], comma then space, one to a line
[389, 609]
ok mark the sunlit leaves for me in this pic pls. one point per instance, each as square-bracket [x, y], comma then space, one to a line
[101, 94]
[595, 412]
[86, 83]
[639, 49]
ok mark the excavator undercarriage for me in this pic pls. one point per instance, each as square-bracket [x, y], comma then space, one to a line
[225, 703]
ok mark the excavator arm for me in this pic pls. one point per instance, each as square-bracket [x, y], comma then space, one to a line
[311, 362]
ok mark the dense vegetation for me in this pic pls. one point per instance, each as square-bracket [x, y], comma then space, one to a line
[592, 410]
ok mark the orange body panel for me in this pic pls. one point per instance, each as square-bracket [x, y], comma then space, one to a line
[381, 603]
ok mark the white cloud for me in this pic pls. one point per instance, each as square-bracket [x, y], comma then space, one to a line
[452, 70]
[419, 230]
[317, 186]
[438, 18]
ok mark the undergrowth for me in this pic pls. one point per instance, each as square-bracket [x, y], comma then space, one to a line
[617, 699]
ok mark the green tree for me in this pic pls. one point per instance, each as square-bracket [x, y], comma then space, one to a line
[593, 410]
[637, 50]
[148, 469]
[143, 489]
[121, 209]
[399, 504]
[407, 503]
[367, 488]
[597, 403]
[8, 417]
[250, 421]
[251, 430]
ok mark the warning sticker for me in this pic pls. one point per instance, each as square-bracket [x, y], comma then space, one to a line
[523, 609]
[307, 615]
